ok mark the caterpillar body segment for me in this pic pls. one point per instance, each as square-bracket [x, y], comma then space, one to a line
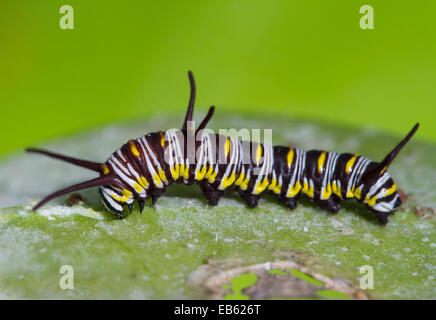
[145, 167]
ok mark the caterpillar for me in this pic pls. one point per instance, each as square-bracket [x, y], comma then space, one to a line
[145, 167]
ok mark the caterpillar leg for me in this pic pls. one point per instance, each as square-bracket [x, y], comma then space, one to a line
[154, 197]
[250, 199]
[382, 217]
[156, 194]
[119, 215]
[212, 195]
[329, 205]
[290, 203]
[141, 204]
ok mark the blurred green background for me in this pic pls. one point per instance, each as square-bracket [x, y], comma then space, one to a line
[128, 59]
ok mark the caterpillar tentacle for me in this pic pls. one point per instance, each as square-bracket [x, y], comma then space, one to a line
[145, 167]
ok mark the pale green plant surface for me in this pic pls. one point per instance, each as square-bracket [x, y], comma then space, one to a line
[152, 255]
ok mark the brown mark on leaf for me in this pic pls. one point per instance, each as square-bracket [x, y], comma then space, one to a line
[75, 199]
[424, 213]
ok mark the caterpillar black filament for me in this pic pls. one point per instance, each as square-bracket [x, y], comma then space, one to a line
[143, 168]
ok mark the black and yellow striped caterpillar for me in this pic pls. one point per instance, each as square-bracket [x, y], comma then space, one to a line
[143, 168]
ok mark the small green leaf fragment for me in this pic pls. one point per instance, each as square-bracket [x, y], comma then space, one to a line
[277, 271]
[305, 277]
[227, 286]
[236, 296]
[333, 294]
[292, 298]
[243, 281]
[238, 284]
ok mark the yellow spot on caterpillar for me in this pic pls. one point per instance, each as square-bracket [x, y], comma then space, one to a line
[175, 171]
[350, 163]
[127, 195]
[138, 187]
[371, 201]
[327, 192]
[258, 153]
[186, 174]
[384, 169]
[357, 193]
[162, 140]
[324, 194]
[391, 190]
[228, 181]
[209, 172]
[309, 191]
[244, 184]
[156, 179]
[278, 188]
[212, 177]
[240, 179]
[143, 182]
[227, 147]
[336, 189]
[133, 149]
[290, 157]
[272, 185]
[105, 169]
[122, 199]
[321, 160]
[200, 173]
[293, 191]
[350, 193]
[162, 175]
[261, 186]
[305, 187]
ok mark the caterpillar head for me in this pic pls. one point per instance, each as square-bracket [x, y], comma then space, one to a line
[380, 193]
[114, 199]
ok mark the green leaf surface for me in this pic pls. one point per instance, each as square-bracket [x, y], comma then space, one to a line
[153, 255]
